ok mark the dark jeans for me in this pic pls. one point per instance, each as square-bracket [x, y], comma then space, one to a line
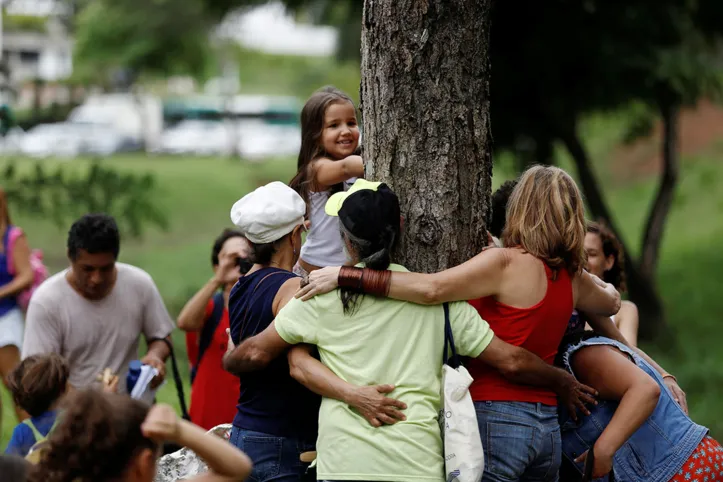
[521, 441]
[275, 458]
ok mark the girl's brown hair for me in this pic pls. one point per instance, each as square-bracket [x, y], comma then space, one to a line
[611, 247]
[546, 218]
[4, 211]
[98, 436]
[312, 125]
[38, 382]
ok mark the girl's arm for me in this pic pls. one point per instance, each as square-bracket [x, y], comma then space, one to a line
[369, 401]
[193, 314]
[23, 271]
[627, 321]
[225, 462]
[604, 326]
[616, 378]
[328, 172]
[479, 277]
[594, 296]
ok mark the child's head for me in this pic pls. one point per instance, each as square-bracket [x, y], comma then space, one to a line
[39, 382]
[546, 217]
[500, 198]
[99, 439]
[328, 129]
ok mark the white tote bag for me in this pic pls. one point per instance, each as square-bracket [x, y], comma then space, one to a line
[463, 452]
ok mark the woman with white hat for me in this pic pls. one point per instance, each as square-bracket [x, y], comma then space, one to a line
[276, 419]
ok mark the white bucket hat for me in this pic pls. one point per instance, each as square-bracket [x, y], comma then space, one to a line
[269, 213]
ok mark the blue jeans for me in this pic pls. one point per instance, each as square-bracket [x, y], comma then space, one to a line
[275, 458]
[521, 441]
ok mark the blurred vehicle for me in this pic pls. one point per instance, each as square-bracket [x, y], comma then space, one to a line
[10, 143]
[47, 140]
[136, 117]
[72, 139]
[198, 137]
[259, 140]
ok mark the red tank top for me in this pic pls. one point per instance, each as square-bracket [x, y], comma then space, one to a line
[539, 329]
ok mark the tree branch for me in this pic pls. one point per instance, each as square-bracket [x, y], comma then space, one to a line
[655, 225]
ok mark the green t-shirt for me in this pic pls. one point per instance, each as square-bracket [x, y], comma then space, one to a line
[384, 341]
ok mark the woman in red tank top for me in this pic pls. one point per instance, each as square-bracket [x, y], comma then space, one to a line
[527, 293]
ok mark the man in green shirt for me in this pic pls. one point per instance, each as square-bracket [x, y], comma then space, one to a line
[365, 340]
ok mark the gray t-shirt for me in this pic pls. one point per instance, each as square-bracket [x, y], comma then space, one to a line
[94, 335]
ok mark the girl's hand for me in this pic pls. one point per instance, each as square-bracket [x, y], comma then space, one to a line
[678, 393]
[320, 281]
[603, 464]
[161, 424]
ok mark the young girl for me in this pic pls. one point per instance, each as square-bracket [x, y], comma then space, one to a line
[327, 163]
[37, 386]
[605, 260]
[106, 437]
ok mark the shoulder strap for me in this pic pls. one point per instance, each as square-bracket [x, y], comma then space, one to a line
[36, 433]
[453, 360]
[209, 328]
[176, 377]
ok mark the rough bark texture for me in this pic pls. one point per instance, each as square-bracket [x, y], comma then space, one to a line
[425, 105]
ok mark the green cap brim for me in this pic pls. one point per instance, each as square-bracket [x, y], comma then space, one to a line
[333, 205]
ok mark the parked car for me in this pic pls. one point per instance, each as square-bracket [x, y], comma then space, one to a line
[198, 137]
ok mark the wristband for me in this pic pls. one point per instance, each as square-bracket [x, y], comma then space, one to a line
[376, 283]
[350, 277]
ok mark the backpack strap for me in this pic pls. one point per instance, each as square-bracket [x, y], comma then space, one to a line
[39, 437]
[209, 329]
[453, 359]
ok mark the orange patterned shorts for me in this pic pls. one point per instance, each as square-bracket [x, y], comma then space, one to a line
[704, 465]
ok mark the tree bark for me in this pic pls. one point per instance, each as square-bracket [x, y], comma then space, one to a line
[425, 104]
[655, 225]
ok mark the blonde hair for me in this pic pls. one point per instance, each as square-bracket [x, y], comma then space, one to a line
[546, 218]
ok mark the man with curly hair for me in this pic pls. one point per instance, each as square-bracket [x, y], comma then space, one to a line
[94, 312]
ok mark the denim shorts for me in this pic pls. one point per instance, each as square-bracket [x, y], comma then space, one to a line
[521, 441]
[275, 458]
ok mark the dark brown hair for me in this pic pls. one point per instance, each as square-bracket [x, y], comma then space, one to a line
[99, 434]
[38, 382]
[13, 468]
[611, 247]
[312, 125]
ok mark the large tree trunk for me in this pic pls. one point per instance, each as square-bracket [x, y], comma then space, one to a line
[425, 104]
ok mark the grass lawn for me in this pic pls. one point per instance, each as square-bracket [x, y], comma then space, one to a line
[197, 194]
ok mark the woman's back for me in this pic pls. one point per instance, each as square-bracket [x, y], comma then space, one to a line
[531, 310]
[270, 400]
[383, 341]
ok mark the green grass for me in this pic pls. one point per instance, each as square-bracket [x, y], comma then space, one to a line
[197, 194]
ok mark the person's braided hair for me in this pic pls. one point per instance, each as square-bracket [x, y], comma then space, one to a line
[98, 436]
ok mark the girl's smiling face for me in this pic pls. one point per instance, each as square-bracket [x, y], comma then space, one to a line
[340, 134]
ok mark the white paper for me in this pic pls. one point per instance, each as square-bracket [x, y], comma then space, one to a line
[142, 389]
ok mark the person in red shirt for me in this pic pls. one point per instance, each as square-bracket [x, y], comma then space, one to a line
[205, 320]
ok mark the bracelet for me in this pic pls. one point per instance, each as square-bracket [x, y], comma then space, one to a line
[376, 283]
[668, 375]
[350, 277]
